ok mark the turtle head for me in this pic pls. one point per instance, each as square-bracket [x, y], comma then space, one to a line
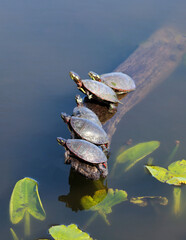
[94, 76]
[79, 100]
[65, 117]
[61, 141]
[76, 78]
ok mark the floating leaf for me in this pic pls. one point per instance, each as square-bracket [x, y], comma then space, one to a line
[25, 200]
[14, 234]
[143, 201]
[175, 175]
[70, 232]
[134, 154]
[87, 201]
[104, 202]
[25, 197]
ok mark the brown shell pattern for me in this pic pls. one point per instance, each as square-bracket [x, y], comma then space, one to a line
[89, 131]
[101, 90]
[84, 112]
[86, 151]
[119, 81]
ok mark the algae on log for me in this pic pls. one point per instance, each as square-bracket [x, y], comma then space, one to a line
[149, 65]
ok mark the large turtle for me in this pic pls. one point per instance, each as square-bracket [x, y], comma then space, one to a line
[83, 112]
[97, 90]
[87, 130]
[118, 81]
[85, 157]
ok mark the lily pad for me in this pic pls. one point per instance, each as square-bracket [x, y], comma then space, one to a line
[103, 202]
[175, 175]
[87, 201]
[25, 198]
[70, 232]
[134, 154]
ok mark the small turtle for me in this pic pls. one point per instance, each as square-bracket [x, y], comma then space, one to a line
[96, 90]
[87, 130]
[85, 157]
[120, 82]
[84, 112]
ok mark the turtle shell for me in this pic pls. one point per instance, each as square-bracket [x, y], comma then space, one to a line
[118, 81]
[86, 151]
[100, 90]
[88, 130]
[84, 112]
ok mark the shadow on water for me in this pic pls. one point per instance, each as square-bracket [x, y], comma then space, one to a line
[80, 186]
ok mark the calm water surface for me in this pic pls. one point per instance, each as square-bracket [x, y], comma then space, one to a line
[41, 41]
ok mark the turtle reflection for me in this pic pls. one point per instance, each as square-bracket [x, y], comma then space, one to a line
[80, 186]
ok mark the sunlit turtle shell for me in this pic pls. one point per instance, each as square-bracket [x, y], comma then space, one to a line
[84, 112]
[120, 82]
[89, 130]
[86, 151]
[100, 90]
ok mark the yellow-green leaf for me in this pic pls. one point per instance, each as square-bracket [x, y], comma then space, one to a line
[159, 173]
[25, 198]
[134, 154]
[143, 201]
[175, 175]
[87, 201]
[70, 232]
[103, 203]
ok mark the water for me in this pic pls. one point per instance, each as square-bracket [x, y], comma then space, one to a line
[40, 43]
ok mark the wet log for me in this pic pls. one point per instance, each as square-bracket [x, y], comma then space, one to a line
[149, 65]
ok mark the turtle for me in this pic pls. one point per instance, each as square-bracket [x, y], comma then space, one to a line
[83, 112]
[118, 81]
[85, 157]
[87, 130]
[96, 90]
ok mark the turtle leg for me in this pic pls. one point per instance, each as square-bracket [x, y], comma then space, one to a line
[103, 168]
[112, 108]
[73, 136]
[89, 95]
[105, 150]
[67, 157]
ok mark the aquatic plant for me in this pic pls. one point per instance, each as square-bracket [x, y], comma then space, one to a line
[143, 201]
[25, 201]
[70, 232]
[134, 154]
[175, 175]
[14, 236]
[102, 201]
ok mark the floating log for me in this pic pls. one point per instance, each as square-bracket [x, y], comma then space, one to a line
[151, 63]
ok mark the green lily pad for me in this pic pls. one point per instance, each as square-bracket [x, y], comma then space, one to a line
[175, 175]
[103, 201]
[143, 201]
[70, 232]
[87, 201]
[134, 154]
[25, 200]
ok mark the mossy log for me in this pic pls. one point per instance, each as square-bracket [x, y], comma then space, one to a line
[151, 63]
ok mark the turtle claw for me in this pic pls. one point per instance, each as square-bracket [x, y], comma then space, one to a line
[112, 108]
[90, 96]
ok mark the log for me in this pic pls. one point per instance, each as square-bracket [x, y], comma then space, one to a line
[151, 63]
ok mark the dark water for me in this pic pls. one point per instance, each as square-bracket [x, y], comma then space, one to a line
[41, 41]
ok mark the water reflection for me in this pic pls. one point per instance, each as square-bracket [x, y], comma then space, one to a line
[80, 186]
